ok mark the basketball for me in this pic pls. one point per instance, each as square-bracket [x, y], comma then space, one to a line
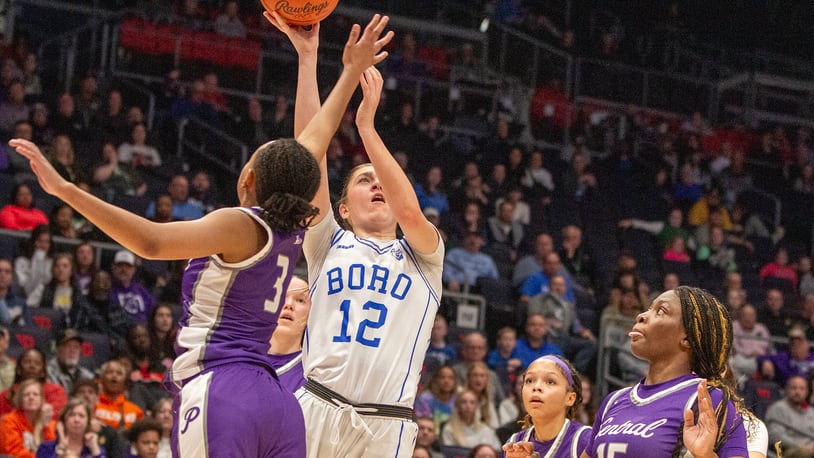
[301, 12]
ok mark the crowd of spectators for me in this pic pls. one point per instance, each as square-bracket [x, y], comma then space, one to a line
[576, 239]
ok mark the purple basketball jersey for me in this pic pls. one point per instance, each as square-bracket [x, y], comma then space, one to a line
[289, 370]
[230, 310]
[569, 443]
[644, 420]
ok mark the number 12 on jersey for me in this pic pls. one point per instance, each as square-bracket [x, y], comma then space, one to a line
[361, 337]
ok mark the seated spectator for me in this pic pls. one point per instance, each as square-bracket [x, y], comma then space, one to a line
[115, 317]
[147, 368]
[503, 359]
[39, 129]
[87, 99]
[163, 209]
[60, 293]
[774, 314]
[117, 178]
[798, 360]
[427, 438]
[228, 23]
[280, 122]
[437, 400]
[22, 214]
[193, 105]
[440, 352]
[577, 342]
[511, 410]
[75, 437]
[716, 253]
[750, 340]
[14, 109]
[483, 451]
[34, 265]
[470, 219]
[31, 77]
[201, 192]
[64, 368]
[127, 292]
[182, 208]
[145, 438]
[163, 332]
[191, 15]
[577, 258]
[474, 349]
[539, 283]
[88, 392]
[29, 424]
[464, 429]
[806, 275]
[13, 309]
[586, 410]
[676, 251]
[62, 157]
[430, 192]
[162, 411]
[701, 210]
[791, 421]
[31, 365]
[113, 408]
[84, 258]
[779, 268]
[137, 152]
[62, 222]
[534, 344]
[686, 191]
[522, 211]
[538, 183]
[477, 380]
[112, 120]
[67, 120]
[13, 164]
[533, 263]
[506, 233]
[464, 265]
[618, 318]
[213, 93]
[7, 364]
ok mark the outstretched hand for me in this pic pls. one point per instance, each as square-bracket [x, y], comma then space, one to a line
[49, 179]
[372, 83]
[361, 53]
[305, 40]
[699, 437]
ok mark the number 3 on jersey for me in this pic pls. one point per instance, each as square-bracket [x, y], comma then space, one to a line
[361, 336]
[273, 305]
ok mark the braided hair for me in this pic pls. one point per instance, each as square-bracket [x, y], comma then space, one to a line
[287, 180]
[709, 333]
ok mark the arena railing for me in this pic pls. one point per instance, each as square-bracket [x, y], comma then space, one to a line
[101, 248]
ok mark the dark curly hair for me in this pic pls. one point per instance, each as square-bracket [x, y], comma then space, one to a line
[288, 178]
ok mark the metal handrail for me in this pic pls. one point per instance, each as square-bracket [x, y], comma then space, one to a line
[183, 142]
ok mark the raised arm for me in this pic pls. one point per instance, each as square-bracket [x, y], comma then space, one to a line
[397, 189]
[223, 231]
[360, 53]
[306, 43]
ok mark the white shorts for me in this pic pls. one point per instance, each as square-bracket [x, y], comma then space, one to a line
[332, 431]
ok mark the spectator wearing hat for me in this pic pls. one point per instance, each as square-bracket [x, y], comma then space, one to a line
[64, 369]
[798, 360]
[127, 292]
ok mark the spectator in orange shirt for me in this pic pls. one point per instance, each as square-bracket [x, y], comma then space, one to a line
[31, 364]
[29, 424]
[113, 409]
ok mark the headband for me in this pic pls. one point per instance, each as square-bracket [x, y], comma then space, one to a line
[564, 367]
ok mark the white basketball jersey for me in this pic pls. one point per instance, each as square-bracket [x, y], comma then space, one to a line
[373, 306]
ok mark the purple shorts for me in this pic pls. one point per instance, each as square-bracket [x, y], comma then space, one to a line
[237, 410]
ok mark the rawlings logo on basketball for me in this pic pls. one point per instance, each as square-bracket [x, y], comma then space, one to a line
[308, 9]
